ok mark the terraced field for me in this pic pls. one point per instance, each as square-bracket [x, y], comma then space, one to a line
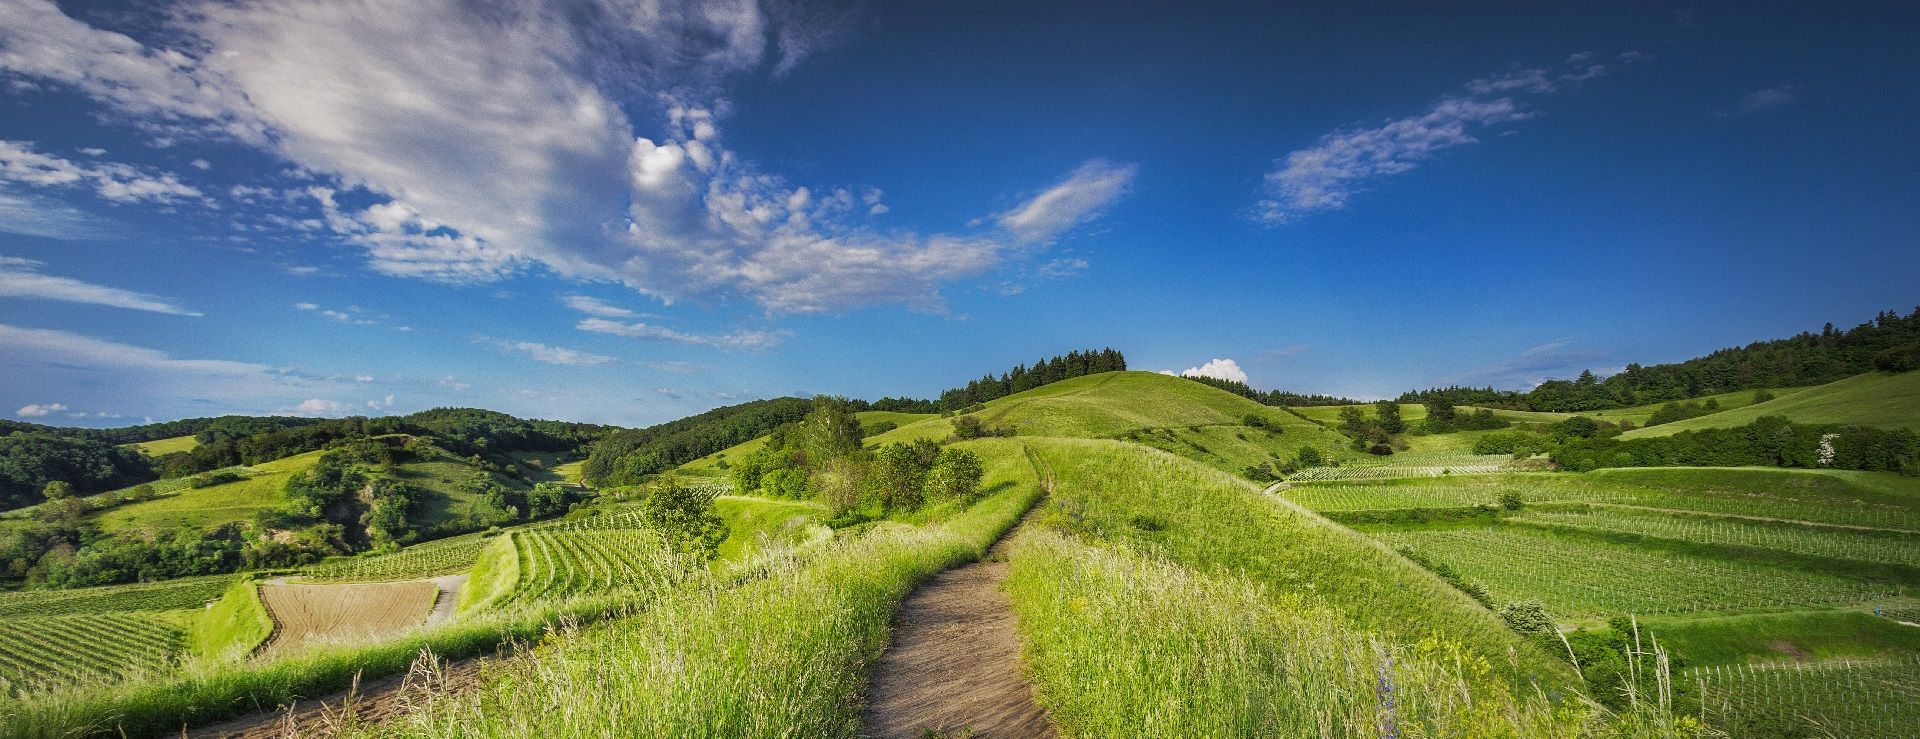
[45, 651]
[184, 593]
[430, 559]
[1581, 578]
[1851, 698]
[1409, 464]
[305, 615]
[1863, 546]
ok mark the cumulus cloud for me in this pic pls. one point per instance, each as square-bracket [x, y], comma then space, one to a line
[21, 163]
[1327, 175]
[1071, 202]
[552, 354]
[1219, 369]
[20, 278]
[37, 410]
[750, 339]
[313, 407]
[464, 143]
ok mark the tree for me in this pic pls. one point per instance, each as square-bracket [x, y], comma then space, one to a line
[1389, 413]
[899, 475]
[829, 431]
[1309, 457]
[840, 484]
[955, 475]
[57, 490]
[968, 427]
[1440, 413]
[685, 517]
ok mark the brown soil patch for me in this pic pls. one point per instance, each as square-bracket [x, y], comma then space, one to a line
[304, 615]
[1788, 648]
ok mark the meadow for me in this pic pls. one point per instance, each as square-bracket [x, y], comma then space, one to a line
[1872, 399]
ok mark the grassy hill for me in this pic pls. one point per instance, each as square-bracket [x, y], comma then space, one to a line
[1872, 399]
[1106, 405]
[265, 487]
[169, 445]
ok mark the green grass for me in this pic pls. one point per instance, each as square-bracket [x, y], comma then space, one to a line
[158, 447]
[232, 627]
[1232, 449]
[1589, 578]
[750, 521]
[1728, 401]
[1872, 399]
[167, 595]
[783, 655]
[211, 506]
[1783, 637]
[1105, 405]
[494, 575]
[441, 476]
[43, 652]
[709, 466]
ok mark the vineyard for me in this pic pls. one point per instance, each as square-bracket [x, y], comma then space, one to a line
[1409, 464]
[191, 592]
[431, 559]
[45, 651]
[1863, 546]
[556, 562]
[1585, 578]
[1847, 698]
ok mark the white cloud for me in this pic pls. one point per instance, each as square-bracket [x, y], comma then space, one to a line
[37, 410]
[552, 354]
[19, 278]
[306, 306]
[33, 215]
[123, 183]
[314, 407]
[363, 378]
[32, 344]
[752, 339]
[381, 404]
[491, 141]
[1075, 200]
[1767, 99]
[1219, 369]
[596, 307]
[1327, 175]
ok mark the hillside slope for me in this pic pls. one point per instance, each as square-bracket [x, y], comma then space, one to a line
[1107, 405]
[1872, 399]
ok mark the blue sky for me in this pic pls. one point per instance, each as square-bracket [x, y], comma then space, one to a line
[628, 212]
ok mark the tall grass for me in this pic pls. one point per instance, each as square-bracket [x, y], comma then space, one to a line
[785, 655]
[1123, 644]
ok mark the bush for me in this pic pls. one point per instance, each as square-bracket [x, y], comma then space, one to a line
[1904, 358]
[1527, 617]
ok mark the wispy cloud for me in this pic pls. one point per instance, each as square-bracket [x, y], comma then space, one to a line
[1327, 175]
[596, 307]
[1073, 201]
[751, 339]
[1766, 99]
[39, 410]
[20, 278]
[550, 354]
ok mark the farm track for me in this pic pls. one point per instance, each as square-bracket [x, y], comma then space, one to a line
[953, 667]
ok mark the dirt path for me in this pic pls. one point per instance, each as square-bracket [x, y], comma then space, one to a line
[449, 597]
[953, 668]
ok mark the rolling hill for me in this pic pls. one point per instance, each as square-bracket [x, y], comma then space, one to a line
[1872, 399]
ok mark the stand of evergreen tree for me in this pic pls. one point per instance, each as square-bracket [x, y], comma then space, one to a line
[1888, 343]
[1272, 397]
[1023, 378]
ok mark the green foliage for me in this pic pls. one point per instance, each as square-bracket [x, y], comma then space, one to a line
[31, 460]
[1387, 413]
[899, 474]
[1528, 617]
[1769, 441]
[955, 476]
[627, 457]
[1520, 444]
[166, 595]
[1903, 358]
[685, 517]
